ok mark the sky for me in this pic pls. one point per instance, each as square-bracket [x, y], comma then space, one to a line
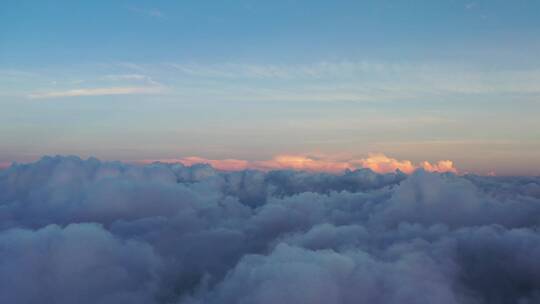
[333, 82]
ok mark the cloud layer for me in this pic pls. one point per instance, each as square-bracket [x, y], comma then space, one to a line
[87, 231]
[377, 162]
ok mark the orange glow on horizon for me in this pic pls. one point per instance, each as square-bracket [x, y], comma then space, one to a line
[377, 162]
[299, 162]
[381, 163]
[440, 166]
[219, 164]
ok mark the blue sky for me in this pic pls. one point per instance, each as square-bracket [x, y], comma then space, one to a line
[132, 80]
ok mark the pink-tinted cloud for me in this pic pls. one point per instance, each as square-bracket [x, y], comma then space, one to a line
[381, 163]
[377, 162]
[221, 164]
[4, 165]
[300, 162]
[440, 166]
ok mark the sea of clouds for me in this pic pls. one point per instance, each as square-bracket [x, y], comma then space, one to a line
[86, 231]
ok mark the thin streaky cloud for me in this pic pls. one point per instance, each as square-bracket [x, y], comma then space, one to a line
[117, 77]
[98, 92]
[471, 5]
[152, 12]
[131, 77]
[231, 70]
[130, 66]
[319, 81]
[405, 78]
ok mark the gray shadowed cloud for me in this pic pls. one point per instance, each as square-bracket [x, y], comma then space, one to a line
[87, 231]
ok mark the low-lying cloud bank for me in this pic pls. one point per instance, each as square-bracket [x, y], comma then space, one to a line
[377, 162]
[85, 231]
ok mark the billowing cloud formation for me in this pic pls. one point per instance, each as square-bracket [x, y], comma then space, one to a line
[87, 231]
[377, 162]
[440, 166]
[299, 162]
[383, 164]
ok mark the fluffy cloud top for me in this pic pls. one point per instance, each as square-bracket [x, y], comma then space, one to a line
[377, 162]
[86, 231]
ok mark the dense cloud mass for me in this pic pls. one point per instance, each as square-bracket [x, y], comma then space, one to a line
[86, 231]
[377, 162]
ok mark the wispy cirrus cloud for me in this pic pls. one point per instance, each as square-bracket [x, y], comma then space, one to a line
[150, 12]
[120, 77]
[132, 78]
[97, 92]
[353, 81]
[109, 84]
[346, 81]
[471, 5]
